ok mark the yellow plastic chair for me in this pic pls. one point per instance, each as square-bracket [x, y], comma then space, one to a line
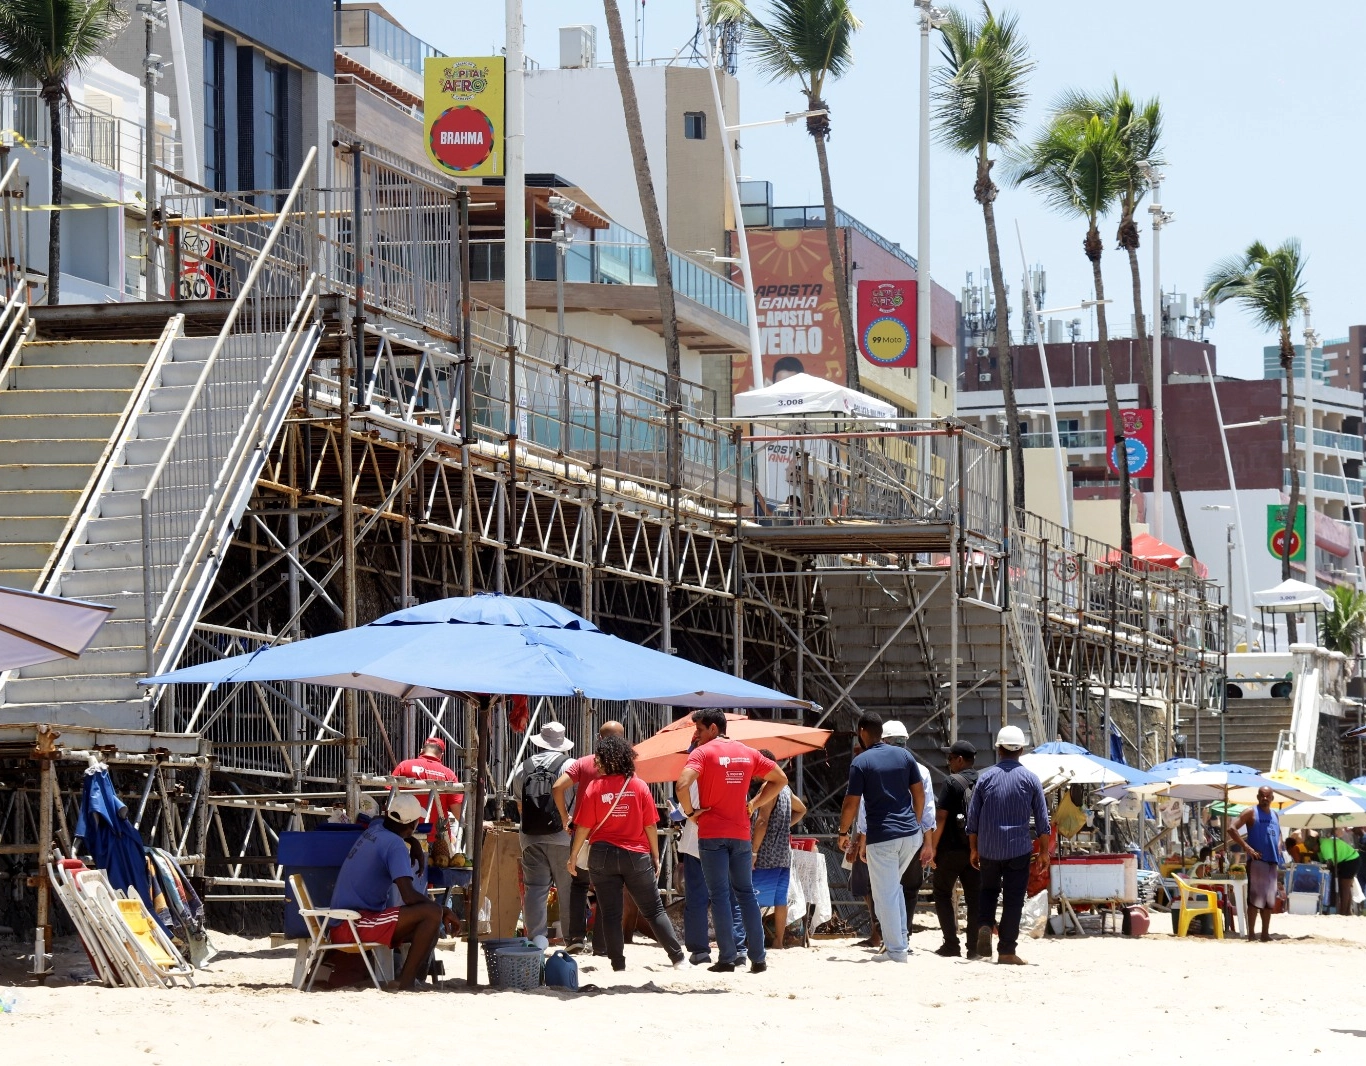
[1191, 909]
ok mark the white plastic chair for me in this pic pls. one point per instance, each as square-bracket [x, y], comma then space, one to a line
[127, 925]
[60, 873]
[378, 958]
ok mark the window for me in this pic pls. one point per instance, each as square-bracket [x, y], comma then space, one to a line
[277, 126]
[695, 125]
[215, 153]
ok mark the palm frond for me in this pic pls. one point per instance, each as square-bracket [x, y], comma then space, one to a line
[1075, 164]
[49, 40]
[979, 88]
[806, 41]
[1344, 626]
[1268, 284]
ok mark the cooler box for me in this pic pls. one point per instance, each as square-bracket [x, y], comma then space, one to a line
[316, 856]
[1303, 903]
[1095, 877]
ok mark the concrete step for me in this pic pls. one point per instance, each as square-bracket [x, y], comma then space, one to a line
[100, 584]
[144, 453]
[23, 578]
[157, 425]
[54, 426]
[62, 401]
[134, 476]
[41, 476]
[120, 633]
[22, 529]
[75, 376]
[31, 556]
[127, 604]
[85, 352]
[71, 689]
[114, 530]
[101, 556]
[188, 349]
[121, 503]
[181, 372]
[93, 662]
[106, 714]
[36, 502]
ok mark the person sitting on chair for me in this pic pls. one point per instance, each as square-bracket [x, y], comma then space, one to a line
[381, 859]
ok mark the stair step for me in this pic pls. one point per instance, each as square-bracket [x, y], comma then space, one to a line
[62, 401]
[75, 376]
[30, 529]
[102, 714]
[128, 604]
[181, 372]
[100, 584]
[21, 578]
[35, 502]
[55, 425]
[112, 530]
[144, 453]
[187, 349]
[93, 662]
[119, 503]
[41, 476]
[103, 556]
[134, 476]
[85, 352]
[71, 689]
[30, 556]
[157, 425]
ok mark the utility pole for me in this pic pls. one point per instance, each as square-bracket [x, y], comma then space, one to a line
[153, 14]
[930, 17]
[1311, 565]
[1160, 219]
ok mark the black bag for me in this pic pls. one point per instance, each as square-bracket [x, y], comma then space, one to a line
[539, 814]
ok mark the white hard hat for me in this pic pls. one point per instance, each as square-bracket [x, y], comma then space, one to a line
[406, 809]
[1011, 737]
[894, 731]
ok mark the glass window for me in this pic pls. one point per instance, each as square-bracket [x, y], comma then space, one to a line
[277, 126]
[695, 125]
[215, 176]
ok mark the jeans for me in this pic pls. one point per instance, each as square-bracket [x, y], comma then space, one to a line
[951, 866]
[1007, 879]
[728, 866]
[887, 861]
[696, 937]
[544, 864]
[614, 869]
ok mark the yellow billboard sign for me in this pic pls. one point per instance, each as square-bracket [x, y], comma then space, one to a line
[463, 115]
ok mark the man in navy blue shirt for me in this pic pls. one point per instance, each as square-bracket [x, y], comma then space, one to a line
[1000, 841]
[380, 860]
[888, 781]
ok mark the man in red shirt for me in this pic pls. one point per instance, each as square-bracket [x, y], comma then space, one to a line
[576, 775]
[428, 766]
[723, 769]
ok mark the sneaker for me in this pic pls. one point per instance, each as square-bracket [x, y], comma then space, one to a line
[700, 958]
[681, 963]
[576, 947]
[721, 967]
[948, 951]
[758, 967]
[984, 941]
[889, 957]
[1011, 960]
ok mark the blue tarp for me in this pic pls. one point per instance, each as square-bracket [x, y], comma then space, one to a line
[489, 644]
[110, 838]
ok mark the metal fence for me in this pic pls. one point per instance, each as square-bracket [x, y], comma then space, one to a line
[202, 479]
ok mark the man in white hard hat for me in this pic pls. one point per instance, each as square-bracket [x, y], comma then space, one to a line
[1000, 841]
[386, 857]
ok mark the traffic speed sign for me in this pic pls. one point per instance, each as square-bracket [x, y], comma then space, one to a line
[195, 284]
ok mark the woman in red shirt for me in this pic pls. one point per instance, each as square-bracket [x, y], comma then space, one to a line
[616, 817]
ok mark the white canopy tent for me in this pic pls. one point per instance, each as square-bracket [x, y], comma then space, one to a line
[803, 394]
[1292, 597]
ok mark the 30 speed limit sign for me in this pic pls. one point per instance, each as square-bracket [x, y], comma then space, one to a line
[195, 284]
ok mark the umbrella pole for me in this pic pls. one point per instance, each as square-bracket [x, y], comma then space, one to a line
[472, 908]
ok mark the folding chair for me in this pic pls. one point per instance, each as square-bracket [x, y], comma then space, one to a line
[61, 874]
[131, 932]
[378, 958]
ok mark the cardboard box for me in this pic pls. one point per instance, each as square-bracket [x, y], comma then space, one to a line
[499, 881]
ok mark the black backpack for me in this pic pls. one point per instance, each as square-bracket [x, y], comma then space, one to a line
[539, 814]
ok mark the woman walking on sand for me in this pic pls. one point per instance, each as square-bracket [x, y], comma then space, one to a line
[616, 818]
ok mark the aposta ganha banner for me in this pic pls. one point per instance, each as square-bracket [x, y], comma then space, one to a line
[463, 114]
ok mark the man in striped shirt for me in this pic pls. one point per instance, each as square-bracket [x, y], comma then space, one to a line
[1000, 841]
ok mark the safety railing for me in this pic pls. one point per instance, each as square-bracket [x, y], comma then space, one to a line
[203, 478]
[1323, 438]
[97, 136]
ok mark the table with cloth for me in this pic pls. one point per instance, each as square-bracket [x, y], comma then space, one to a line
[809, 887]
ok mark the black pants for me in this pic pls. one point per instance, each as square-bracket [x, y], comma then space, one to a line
[614, 869]
[950, 867]
[576, 923]
[1006, 880]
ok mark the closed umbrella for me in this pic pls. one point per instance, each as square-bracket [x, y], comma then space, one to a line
[478, 647]
[662, 756]
[35, 628]
[113, 842]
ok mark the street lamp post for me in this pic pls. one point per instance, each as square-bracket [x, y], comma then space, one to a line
[930, 17]
[1160, 219]
[153, 14]
[562, 209]
[1311, 562]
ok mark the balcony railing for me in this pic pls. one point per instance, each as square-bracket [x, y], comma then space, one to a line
[1076, 438]
[1342, 442]
[1328, 483]
[102, 138]
[614, 262]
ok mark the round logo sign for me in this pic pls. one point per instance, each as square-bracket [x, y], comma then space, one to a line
[1137, 454]
[1278, 544]
[886, 340]
[196, 284]
[462, 138]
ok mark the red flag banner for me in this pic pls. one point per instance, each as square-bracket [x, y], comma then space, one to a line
[1138, 441]
[886, 322]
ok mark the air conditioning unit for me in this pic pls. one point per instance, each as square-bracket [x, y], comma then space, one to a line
[983, 377]
[578, 47]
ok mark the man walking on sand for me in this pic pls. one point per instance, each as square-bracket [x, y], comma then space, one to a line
[723, 769]
[1000, 841]
[951, 852]
[1264, 858]
[887, 779]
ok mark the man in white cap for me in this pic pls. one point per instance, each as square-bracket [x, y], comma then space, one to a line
[383, 859]
[544, 838]
[1000, 841]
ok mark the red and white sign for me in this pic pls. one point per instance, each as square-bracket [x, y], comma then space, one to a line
[462, 137]
[196, 284]
[886, 322]
[1138, 439]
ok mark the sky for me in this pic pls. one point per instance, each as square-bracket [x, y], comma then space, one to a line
[1262, 136]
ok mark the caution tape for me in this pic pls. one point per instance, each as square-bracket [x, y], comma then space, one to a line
[101, 205]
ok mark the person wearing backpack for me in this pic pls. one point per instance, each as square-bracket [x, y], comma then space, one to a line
[951, 851]
[544, 836]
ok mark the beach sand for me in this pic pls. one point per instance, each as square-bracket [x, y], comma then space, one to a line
[1098, 999]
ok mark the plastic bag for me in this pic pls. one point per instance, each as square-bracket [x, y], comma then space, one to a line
[1034, 917]
[1358, 895]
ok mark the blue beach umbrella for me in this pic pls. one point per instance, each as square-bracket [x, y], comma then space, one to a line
[113, 842]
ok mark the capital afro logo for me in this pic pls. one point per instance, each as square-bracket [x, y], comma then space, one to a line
[461, 138]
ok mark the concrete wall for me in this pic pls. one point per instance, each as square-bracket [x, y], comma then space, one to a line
[1197, 446]
[1080, 365]
[377, 120]
[698, 193]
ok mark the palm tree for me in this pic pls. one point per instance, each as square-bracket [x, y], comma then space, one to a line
[807, 41]
[979, 105]
[649, 203]
[47, 41]
[1140, 134]
[1344, 626]
[1269, 284]
[1077, 165]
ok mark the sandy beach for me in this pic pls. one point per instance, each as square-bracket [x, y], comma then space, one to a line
[1098, 998]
